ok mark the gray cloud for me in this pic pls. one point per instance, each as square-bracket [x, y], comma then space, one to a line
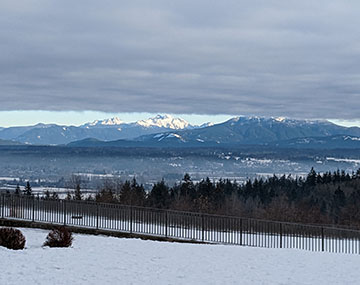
[291, 58]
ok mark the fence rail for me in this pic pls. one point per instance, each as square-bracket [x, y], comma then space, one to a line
[180, 225]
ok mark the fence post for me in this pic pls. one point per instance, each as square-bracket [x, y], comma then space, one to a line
[64, 208]
[280, 235]
[166, 223]
[33, 209]
[241, 230]
[322, 239]
[131, 218]
[3, 206]
[97, 216]
[202, 227]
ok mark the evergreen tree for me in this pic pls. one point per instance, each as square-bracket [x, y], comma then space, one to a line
[107, 192]
[138, 193]
[187, 189]
[357, 174]
[126, 193]
[55, 196]
[206, 188]
[311, 178]
[17, 190]
[159, 195]
[78, 194]
[339, 197]
[68, 195]
[28, 190]
[47, 194]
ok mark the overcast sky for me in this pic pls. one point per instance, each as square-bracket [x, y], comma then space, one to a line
[269, 58]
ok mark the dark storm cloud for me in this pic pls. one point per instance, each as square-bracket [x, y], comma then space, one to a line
[292, 58]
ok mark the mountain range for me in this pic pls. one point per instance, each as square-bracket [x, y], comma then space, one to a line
[106, 130]
[166, 131]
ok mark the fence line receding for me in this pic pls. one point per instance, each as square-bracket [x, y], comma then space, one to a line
[180, 225]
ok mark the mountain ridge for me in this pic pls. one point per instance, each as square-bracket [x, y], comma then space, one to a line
[107, 130]
[241, 131]
[164, 130]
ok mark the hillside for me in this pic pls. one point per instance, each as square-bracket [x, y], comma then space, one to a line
[7, 142]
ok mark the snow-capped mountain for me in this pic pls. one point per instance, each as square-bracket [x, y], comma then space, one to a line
[254, 131]
[165, 121]
[168, 131]
[238, 131]
[105, 130]
[104, 123]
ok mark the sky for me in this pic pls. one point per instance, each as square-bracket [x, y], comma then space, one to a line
[89, 60]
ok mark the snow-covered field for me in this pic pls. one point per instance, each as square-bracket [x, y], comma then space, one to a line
[107, 260]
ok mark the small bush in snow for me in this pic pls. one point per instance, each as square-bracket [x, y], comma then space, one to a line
[59, 237]
[12, 238]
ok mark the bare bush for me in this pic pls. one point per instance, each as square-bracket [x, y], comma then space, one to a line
[59, 237]
[12, 238]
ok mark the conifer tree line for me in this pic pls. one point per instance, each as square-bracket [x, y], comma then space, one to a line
[318, 198]
[327, 198]
[27, 191]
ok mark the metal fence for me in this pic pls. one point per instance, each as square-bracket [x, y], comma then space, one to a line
[180, 225]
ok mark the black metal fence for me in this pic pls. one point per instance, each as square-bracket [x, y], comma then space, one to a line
[180, 225]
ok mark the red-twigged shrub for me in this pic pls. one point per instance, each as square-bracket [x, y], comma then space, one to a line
[59, 237]
[12, 238]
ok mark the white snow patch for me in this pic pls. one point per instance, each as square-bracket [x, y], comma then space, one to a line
[10, 178]
[348, 160]
[108, 260]
[351, 138]
[158, 136]
[174, 136]
[280, 119]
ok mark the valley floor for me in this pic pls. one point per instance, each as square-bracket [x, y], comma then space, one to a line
[107, 260]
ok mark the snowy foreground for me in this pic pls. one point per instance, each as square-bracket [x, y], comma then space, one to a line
[107, 260]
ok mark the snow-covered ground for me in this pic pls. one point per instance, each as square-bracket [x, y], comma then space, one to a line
[107, 260]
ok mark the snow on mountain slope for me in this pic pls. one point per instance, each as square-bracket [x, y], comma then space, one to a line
[159, 121]
[259, 131]
[106, 122]
[106, 130]
[236, 131]
[165, 121]
[108, 260]
[253, 131]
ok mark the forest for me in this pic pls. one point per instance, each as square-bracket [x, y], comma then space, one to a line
[330, 198]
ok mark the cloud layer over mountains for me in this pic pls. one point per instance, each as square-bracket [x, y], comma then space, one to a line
[270, 58]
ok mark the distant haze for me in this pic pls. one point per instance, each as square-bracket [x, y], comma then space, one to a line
[269, 58]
